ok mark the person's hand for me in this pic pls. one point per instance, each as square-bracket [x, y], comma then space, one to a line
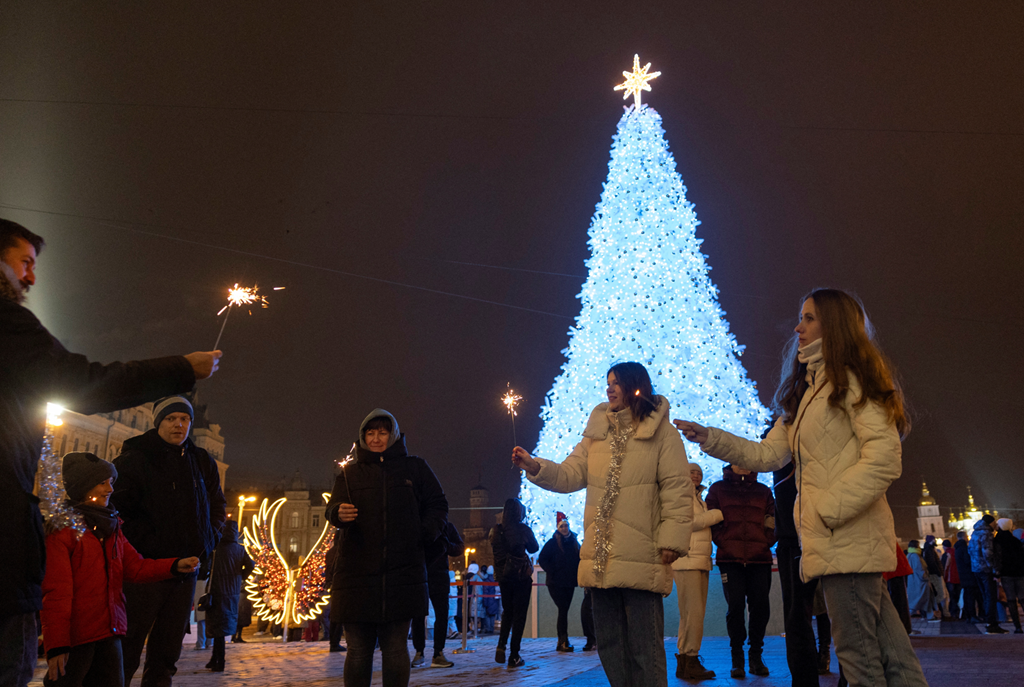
[204, 363]
[55, 666]
[692, 431]
[668, 556]
[522, 459]
[347, 512]
[187, 565]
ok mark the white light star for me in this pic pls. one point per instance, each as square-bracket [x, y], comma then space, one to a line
[636, 81]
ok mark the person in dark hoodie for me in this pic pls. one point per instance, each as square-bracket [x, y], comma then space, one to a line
[391, 509]
[170, 498]
[744, 539]
[511, 541]
[560, 559]
[449, 544]
[968, 582]
[34, 369]
[231, 567]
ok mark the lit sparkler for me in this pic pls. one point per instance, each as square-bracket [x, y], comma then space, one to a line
[511, 400]
[243, 297]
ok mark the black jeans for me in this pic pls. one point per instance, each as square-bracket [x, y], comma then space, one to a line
[439, 600]
[18, 638]
[989, 597]
[362, 638]
[159, 610]
[587, 616]
[969, 608]
[562, 596]
[218, 650]
[898, 593]
[747, 587]
[797, 610]
[515, 602]
[337, 629]
[954, 599]
[96, 664]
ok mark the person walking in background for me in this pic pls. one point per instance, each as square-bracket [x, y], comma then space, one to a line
[638, 520]
[984, 568]
[1009, 557]
[199, 614]
[492, 601]
[560, 559]
[170, 498]
[447, 545]
[231, 567]
[744, 539]
[951, 578]
[35, 369]
[83, 614]
[841, 419]
[919, 586]
[337, 627]
[897, 583]
[931, 561]
[511, 541]
[968, 582]
[691, 573]
[391, 508]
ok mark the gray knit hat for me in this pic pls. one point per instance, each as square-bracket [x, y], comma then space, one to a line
[171, 404]
[83, 471]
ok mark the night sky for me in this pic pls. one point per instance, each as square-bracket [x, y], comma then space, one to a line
[421, 177]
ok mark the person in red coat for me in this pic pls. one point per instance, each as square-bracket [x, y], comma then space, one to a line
[83, 612]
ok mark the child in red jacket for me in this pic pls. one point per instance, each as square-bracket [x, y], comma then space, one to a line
[83, 612]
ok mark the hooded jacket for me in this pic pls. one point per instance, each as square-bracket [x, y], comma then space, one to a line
[846, 458]
[231, 567]
[560, 559]
[169, 497]
[82, 597]
[34, 369]
[654, 509]
[747, 530]
[980, 547]
[381, 574]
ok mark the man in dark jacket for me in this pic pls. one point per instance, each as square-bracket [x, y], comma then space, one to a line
[170, 499]
[35, 369]
[449, 544]
[744, 539]
[968, 582]
[984, 568]
[391, 508]
[1009, 557]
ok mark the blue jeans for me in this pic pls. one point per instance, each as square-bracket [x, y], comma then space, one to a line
[989, 597]
[18, 637]
[630, 626]
[394, 650]
[871, 643]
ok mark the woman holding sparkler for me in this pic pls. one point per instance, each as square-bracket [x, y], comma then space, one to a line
[638, 519]
[842, 416]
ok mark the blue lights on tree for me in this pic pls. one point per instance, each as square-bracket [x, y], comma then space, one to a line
[647, 298]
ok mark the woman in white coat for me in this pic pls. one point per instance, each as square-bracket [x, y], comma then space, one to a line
[691, 572]
[841, 420]
[637, 520]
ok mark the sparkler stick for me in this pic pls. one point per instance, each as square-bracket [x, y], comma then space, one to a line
[241, 296]
[511, 400]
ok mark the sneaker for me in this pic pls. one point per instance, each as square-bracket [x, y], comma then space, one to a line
[1018, 631]
[516, 662]
[336, 648]
[441, 662]
[418, 659]
[499, 655]
[995, 630]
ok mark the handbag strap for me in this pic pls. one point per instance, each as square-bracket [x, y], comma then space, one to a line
[213, 559]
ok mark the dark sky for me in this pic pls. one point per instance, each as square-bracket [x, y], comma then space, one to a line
[346, 149]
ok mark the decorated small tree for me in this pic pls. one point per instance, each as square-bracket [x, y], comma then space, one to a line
[647, 298]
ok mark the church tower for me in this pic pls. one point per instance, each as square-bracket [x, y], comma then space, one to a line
[928, 519]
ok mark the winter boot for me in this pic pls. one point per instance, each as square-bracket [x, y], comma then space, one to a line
[757, 666]
[824, 661]
[737, 663]
[694, 669]
[499, 655]
[681, 666]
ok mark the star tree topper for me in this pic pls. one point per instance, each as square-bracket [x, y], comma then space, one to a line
[636, 81]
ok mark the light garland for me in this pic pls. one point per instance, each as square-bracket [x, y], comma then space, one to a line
[647, 298]
[57, 514]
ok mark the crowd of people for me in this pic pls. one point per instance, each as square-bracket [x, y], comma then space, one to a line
[121, 572]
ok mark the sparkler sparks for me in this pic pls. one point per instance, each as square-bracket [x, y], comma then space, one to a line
[243, 297]
[511, 400]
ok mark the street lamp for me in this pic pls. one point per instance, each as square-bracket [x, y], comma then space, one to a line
[242, 500]
[468, 551]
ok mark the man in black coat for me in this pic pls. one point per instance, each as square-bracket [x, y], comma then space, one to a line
[35, 369]
[448, 545]
[391, 508]
[168, 494]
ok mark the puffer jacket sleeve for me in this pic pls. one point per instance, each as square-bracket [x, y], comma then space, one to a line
[568, 476]
[705, 519]
[58, 591]
[768, 455]
[675, 490]
[879, 464]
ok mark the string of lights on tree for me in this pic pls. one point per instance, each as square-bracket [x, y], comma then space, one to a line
[56, 512]
[647, 298]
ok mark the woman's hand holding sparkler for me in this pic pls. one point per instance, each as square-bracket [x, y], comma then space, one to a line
[692, 431]
[347, 512]
[522, 459]
[204, 363]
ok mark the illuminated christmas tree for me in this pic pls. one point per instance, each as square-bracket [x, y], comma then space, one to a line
[647, 298]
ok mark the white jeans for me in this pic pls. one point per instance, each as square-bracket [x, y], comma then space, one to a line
[871, 642]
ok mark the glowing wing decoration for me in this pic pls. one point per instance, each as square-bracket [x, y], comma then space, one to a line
[312, 588]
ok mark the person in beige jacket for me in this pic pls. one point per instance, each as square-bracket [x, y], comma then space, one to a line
[637, 520]
[841, 421]
[692, 572]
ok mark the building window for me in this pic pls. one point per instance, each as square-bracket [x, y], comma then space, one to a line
[76, 444]
[87, 447]
[316, 521]
[63, 444]
[293, 545]
[296, 521]
[134, 419]
[933, 528]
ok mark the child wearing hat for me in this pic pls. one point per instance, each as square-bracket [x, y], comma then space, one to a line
[83, 613]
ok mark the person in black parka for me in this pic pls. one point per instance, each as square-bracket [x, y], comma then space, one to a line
[560, 559]
[448, 545]
[391, 508]
[511, 541]
[231, 567]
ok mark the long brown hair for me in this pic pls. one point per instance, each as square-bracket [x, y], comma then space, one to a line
[847, 342]
[636, 388]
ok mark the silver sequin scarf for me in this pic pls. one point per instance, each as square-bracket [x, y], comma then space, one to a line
[603, 522]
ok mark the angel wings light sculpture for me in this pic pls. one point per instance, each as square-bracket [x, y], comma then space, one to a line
[279, 593]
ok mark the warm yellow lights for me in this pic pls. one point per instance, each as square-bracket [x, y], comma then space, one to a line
[53, 413]
[636, 81]
[469, 551]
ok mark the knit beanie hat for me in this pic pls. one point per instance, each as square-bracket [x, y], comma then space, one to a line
[83, 471]
[1005, 524]
[987, 519]
[171, 404]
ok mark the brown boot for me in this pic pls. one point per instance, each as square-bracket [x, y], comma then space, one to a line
[694, 669]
